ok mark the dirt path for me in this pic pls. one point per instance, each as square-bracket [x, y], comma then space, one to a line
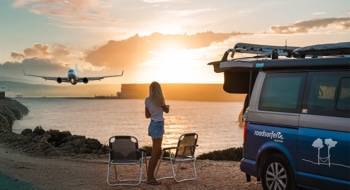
[76, 173]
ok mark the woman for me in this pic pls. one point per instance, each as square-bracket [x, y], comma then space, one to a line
[154, 108]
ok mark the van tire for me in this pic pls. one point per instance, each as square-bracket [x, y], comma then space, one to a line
[276, 174]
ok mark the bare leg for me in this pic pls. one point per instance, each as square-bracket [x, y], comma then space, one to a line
[156, 152]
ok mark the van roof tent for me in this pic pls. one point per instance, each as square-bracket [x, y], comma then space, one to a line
[342, 48]
[240, 73]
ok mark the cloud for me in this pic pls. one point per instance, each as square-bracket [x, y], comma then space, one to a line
[17, 56]
[318, 13]
[45, 65]
[57, 52]
[69, 11]
[60, 50]
[38, 66]
[38, 50]
[306, 26]
[136, 50]
[189, 12]
[34, 64]
[156, 1]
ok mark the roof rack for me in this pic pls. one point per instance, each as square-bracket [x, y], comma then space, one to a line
[260, 50]
[264, 51]
[339, 52]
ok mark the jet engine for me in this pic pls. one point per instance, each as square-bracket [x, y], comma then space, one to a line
[59, 80]
[85, 80]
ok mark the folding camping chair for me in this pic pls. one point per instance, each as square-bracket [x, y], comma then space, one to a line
[124, 150]
[184, 152]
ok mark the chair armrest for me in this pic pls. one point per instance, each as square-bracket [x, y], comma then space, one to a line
[142, 151]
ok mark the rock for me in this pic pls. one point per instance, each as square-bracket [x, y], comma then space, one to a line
[52, 142]
[4, 123]
[7, 117]
[57, 137]
[11, 110]
[38, 130]
[26, 131]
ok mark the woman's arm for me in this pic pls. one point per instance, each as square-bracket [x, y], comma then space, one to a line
[165, 108]
[147, 113]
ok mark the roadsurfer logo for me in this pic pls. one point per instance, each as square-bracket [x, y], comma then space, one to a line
[276, 136]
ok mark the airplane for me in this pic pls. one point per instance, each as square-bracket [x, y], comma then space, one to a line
[73, 77]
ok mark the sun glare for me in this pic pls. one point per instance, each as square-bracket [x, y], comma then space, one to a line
[172, 66]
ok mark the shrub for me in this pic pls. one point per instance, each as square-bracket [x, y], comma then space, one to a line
[148, 150]
[230, 154]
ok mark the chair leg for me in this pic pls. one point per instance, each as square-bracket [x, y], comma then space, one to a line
[121, 182]
[175, 172]
[188, 179]
[141, 170]
[173, 168]
[115, 172]
[145, 161]
[177, 169]
[167, 177]
[108, 173]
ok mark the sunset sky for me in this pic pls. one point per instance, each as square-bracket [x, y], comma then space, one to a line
[170, 41]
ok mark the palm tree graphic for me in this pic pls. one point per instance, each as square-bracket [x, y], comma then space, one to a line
[318, 143]
[330, 143]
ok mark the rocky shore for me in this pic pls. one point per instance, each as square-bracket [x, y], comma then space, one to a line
[39, 141]
[52, 143]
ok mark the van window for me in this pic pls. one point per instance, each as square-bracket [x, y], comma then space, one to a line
[344, 95]
[329, 93]
[282, 92]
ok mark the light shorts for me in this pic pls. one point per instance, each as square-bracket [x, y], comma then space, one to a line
[156, 129]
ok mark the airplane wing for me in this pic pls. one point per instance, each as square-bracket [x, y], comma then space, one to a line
[100, 77]
[63, 79]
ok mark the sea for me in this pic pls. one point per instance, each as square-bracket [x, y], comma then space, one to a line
[216, 123]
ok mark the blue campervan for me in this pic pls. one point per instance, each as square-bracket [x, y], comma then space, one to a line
[296, 113]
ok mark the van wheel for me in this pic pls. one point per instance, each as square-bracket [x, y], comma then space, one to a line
[276, 174]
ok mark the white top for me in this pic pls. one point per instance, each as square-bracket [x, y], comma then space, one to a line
[155, 111]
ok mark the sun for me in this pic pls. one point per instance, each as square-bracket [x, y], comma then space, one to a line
[172, 66]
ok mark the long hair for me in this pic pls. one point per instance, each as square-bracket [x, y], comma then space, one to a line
[156, 94]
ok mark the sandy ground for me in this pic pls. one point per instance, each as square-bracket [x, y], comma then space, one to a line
[90, 173]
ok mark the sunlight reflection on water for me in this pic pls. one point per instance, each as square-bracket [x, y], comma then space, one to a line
[215, 122]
